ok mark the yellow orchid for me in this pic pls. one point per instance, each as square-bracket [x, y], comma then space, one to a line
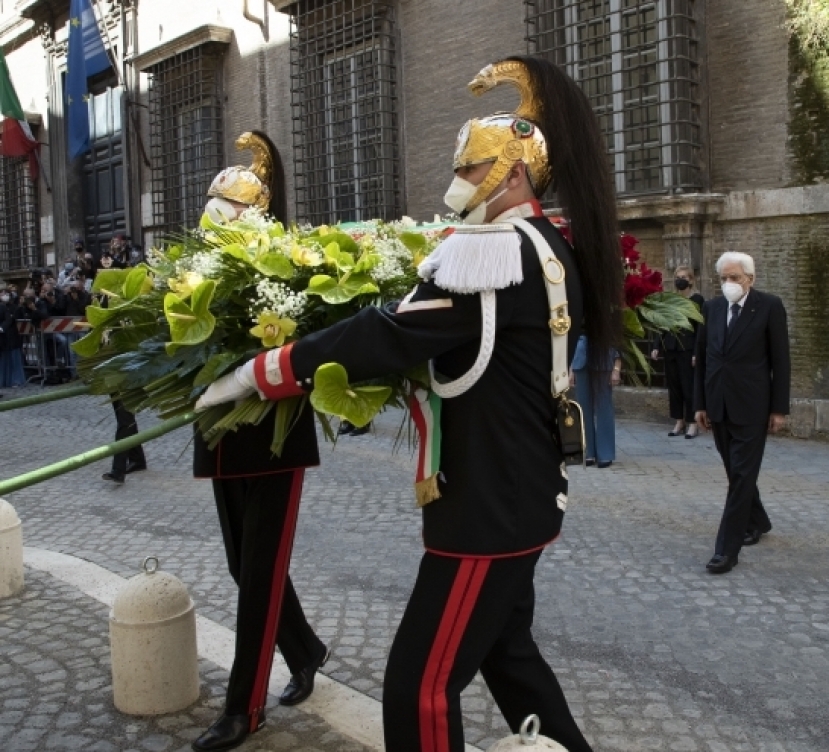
[184, 285]
[303, 256]
[272, 330]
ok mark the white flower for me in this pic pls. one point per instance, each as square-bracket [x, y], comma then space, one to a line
[277, 298]
[255, 218]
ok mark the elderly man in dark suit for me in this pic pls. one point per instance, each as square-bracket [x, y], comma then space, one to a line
[741, 393]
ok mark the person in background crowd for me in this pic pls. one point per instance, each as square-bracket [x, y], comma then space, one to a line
[132, 460]
[596, 401]
[67, 274]
[77, 299]
[678, 353]
[11, 345]
[136, 255]
[741, 392]
[119, 250]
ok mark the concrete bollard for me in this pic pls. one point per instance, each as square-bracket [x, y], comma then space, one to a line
[11, 551]
[527, 736]
[152, 631]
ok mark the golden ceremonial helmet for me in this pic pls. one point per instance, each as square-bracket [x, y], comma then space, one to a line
[504, 138]
[247, 185]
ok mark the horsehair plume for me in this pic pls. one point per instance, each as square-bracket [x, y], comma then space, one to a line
[278, 206]
[584, 186]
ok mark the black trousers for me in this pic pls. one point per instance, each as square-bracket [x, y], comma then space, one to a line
[679, 375]
[126, 426]
[741, 448]
[258, 519]
[466, 615]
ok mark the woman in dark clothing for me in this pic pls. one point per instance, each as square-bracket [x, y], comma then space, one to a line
[678, 352]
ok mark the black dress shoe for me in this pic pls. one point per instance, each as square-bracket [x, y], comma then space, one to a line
[752, 537]
[360, 431]
[134, 467]
[589, 463]
[114, 477]
[604, 464]
[345, 428]
[226, 733]
[302, 684]
[720, 564]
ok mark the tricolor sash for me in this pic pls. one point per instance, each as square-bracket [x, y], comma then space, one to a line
[426, 406]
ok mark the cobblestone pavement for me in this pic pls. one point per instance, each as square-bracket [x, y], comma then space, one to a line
[653, 653]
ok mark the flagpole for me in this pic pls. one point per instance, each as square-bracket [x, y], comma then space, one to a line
[42, 171]
[122, 82]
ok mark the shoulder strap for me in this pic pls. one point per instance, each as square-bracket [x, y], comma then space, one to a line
[553, 271]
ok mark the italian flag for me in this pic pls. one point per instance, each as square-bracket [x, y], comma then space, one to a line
[17, 139]
[425, 407]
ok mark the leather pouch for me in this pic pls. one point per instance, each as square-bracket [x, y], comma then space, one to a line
[570, 423]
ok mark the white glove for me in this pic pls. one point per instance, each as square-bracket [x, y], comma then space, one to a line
[234, 386]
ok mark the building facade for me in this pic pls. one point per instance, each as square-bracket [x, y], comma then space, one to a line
[714, 114]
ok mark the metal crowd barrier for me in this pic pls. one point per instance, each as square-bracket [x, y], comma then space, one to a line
[46, 351]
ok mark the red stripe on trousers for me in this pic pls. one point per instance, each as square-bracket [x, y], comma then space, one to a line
[280, 574]
[434, 706]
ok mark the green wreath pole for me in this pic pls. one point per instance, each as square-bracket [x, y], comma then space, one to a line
[40, 399]
[93, 455]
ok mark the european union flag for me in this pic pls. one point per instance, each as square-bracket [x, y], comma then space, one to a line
[85, 58]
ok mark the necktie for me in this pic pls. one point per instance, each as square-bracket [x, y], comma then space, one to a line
[735, 314]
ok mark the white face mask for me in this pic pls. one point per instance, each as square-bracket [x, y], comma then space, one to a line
[220, 210]
[460, 193]
[732, 291]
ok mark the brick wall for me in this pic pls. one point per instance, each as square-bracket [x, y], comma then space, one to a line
[791, 256]
[748, 89]
[444, 43]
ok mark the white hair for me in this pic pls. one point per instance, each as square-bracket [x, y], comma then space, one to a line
[735, 257]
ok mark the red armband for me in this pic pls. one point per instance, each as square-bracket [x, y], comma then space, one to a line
[274, 375]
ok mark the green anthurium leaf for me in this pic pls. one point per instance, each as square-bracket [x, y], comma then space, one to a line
[136, 283]
[110, 281]
[332, 394]
[201, 297]
[277, 230]
[98, 316]
[190, 325]
[366, 262]
[414, 241]
[631, 323]
[274, 265]
[347, 289]
[238, 251]
[344, 241]
[343, 260]
[215, 367]
[88, 345]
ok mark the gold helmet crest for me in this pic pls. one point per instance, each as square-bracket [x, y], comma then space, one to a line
[505, 138]
[247, 185]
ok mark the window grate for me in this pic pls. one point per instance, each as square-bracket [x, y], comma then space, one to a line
[19, 216]
[344, 105]
[186, 134]
[637, 61]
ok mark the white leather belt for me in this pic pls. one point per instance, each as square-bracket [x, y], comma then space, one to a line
[553, 271]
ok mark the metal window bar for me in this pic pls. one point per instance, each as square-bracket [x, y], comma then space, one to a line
[186, 134]
[636, 60]
[19, 216]
[344, 106]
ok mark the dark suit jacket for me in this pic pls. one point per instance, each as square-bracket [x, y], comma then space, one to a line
[748, 377]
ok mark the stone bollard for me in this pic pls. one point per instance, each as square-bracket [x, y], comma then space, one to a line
[527, 736]
[152, 632]
[11, 551]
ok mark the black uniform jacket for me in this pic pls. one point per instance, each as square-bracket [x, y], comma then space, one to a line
[747, 377]
[247, 452]
[499, 460]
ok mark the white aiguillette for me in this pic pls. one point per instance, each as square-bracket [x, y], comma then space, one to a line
[475, 258]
